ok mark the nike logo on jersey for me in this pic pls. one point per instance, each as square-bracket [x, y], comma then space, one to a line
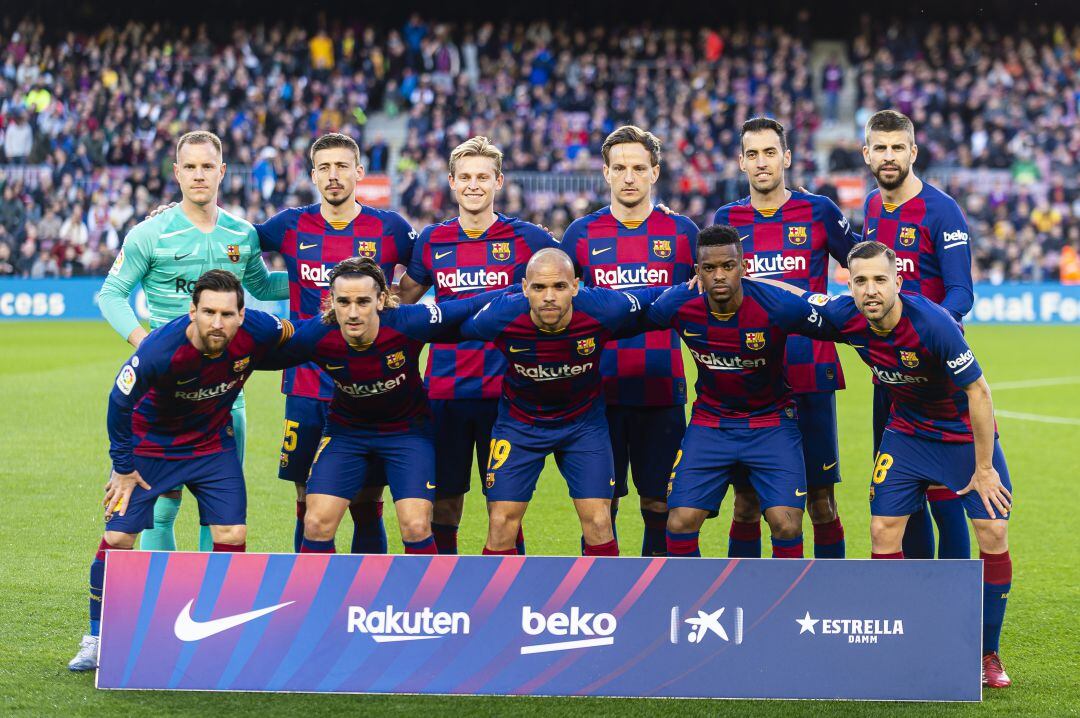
[600, 251]
[188, 629]
[179, 256]
[612, 482]
[334, 367]
[691, 334]
[800, 493]
[308, 246]
[826, 467]
[440, 255]
[870, 231]
[518, 350]
[187, 381]
[744, 237]
[430, 485]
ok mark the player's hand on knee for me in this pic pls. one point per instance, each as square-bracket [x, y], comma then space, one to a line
[159, 209]
[987, 484]
[119, 489]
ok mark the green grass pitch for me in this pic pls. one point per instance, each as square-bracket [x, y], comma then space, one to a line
[54, 379]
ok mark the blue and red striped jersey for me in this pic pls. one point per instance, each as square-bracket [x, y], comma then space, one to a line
[377, 387]
[925, 363]
[645, 370]
[461, 266]
[792, 243]
[554, 377]
[172, 401]
[740, 356]
[933, 249]
[311, 247]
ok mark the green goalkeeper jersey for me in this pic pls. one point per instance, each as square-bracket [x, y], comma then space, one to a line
[167, 254]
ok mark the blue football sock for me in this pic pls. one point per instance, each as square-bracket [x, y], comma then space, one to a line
[829, 540]
[683, 544]
[948, 511]
[97, 581]
[997, 582]
[919, 535]
[744, 539]
[298, 531]
[445, 538]
[312, 546]
[369, 533]
[654, 538]
[787, 548]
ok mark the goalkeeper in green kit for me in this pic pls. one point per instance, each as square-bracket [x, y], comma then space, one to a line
[166, 254]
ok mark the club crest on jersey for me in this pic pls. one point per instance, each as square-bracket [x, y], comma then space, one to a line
[909, 359]
[500, 251]
[366, 248]
[241, 364]
[907, 236]
[796, 235]
[395, 360]
[233, 250]
[586, 346]
[661, 248]
[489, 480]
[755, 340]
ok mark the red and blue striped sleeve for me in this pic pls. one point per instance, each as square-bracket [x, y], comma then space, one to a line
[134, 380]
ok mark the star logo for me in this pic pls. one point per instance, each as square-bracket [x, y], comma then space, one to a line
[806, 624]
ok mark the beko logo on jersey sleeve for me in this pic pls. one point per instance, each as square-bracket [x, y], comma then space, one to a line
[954, 238]
[961, 362]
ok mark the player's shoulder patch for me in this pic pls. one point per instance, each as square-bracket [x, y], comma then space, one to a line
[819, 299]
[118, 263]
[125, 381]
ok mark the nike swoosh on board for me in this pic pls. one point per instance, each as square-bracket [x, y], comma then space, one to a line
[188, 629]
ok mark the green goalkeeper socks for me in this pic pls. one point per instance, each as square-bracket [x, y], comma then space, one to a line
[161, 537]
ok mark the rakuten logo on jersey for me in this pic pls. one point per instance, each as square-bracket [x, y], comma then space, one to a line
[374, 388]
[207, 392]
[721, 362]
[625, 278]
[316, 273]
[886, 376]
[905, 265]
[551, 373]
[462, 281]
[389, 626]
[762, 265]
[598, 626]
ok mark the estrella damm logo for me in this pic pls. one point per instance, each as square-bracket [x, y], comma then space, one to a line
[661, 248]
[395, 360]
[366, 248]
[586, 346]
[755, 340]
[907, 236]
[233, 250]
[796, 234]
[489, 480]
[241, 364]
[500, 251]
[909, 359]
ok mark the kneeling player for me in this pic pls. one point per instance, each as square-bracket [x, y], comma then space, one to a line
[941, 427]
[370, 348]
[170, 426]
[744, 416]
[552, 402]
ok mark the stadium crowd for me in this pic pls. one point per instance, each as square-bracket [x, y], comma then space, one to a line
[87, 121]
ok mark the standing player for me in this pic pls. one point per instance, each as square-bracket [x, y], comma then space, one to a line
[928, 232]
[167, 254]
[170, 425]
[630, 243]
[744, 417]
[940, 429]
[478, 250]
[370, 348]
[552, 401]
[790, 235]
[312, 240]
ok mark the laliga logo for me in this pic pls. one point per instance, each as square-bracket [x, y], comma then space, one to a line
[575, 623]
[707, 623]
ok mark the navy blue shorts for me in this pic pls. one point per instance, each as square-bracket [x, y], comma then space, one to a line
[907, 465]
[305, 421]
[462, 430]
[344, 459]
[882, 408]
[217, 481]
[770, 458]
[821, 446]
[644, 442]
[582, 450]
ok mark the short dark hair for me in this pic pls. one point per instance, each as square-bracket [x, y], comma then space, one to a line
[356, 267]
[760, 124]
[867, 250]
[218, 280]
[332, 140]
[628, 134]
[889, 121]
[719, 235]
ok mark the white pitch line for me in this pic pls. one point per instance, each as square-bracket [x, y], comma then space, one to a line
[1031, 383]
[1038, 417]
